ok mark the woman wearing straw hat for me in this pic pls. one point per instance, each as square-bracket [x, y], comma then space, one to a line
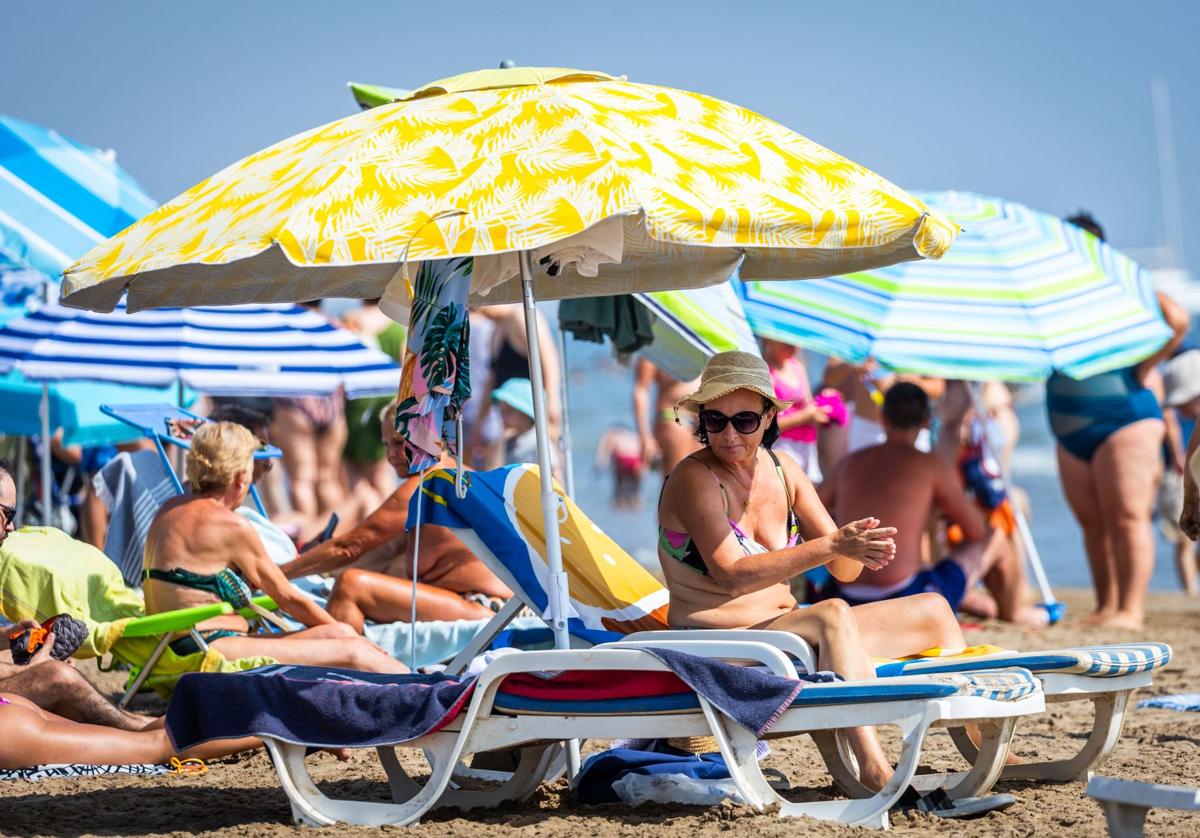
[737, 522]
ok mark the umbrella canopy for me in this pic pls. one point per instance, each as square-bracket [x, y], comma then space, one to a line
[58, 198]
[652, 187]
[75, 407]
[1020, 295]
[273, 350]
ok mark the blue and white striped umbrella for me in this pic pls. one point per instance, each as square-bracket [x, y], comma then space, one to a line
[267, 350]
[1019, 295]
[58, 199]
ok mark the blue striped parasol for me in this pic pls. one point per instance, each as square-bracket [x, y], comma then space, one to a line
[58, 199]
[271, 350]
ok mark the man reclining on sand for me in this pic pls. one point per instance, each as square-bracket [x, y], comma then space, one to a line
[198, 550]
[906, 487]
[375, 558]
[50, 684]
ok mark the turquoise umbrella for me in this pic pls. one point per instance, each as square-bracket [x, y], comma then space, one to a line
[58, 199]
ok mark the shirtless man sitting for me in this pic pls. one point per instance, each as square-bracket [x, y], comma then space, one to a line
[375, 560]
[198, 551]
[53, 685]
[906, 486]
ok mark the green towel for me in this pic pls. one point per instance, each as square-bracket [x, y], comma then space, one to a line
[621, 319]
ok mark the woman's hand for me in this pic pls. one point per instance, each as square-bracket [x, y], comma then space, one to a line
[866, 542]
[816, 415]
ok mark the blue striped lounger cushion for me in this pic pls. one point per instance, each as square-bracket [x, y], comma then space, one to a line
[1097, 661]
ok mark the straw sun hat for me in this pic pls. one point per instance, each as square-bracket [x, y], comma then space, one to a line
[729, 371]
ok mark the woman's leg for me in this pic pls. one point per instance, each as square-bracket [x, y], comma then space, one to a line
[360, 595]
[311, 648]
[331, 485]
[1126, 468]
[831, 627]
[1080, 490]
[35, 737]
[293, 432]
[894, 628]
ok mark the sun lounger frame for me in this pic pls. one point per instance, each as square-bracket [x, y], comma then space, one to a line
[1127, 802]
[481, 728]
[1109, 696]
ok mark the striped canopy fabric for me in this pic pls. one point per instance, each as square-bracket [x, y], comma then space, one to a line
[1019, 295]
[271, 350]
[58, 199]
[693, 325]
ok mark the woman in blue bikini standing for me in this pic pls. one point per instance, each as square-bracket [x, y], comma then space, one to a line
[1110, 433]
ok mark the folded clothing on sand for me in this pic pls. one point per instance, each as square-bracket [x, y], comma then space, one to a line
[1188, 702]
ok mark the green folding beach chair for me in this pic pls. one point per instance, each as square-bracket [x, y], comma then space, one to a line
[45, 572]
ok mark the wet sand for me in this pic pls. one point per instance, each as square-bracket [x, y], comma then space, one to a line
[241, 796]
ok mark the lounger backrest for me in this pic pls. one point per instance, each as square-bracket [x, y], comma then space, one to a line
[502, 508]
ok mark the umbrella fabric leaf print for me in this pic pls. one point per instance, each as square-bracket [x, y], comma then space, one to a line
[435, 382]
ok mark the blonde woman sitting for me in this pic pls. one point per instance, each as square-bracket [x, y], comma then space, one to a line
[199, 551]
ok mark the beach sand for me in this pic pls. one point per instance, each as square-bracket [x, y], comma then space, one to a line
[241, 796]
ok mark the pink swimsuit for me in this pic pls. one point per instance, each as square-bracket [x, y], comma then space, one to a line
[798, 392]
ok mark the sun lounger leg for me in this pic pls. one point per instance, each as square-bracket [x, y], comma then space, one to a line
[1125, 820]
[534, 764]
[145, 671]
[1106, 731]
[988, 764]
[840, 762]
[311, 807]
[737, 746]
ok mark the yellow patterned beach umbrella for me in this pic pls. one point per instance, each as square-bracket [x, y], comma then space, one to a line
[614, 186]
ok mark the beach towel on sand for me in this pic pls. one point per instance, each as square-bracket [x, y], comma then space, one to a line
[66, 771]
[340, 708]
[1186, 702]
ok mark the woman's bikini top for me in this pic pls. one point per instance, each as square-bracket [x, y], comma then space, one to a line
[227, 586]
[679, 546]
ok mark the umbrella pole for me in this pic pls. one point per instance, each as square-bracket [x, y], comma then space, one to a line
[568, 453]
[557, 589]
[1054, 608]
[44, 413]
[21, 478]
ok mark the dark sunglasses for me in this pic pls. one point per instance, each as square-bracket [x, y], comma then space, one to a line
[10, 514]
[745, 422]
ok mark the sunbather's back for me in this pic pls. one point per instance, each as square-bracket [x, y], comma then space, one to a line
[192, 538]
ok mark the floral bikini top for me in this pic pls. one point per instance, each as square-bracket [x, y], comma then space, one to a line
[679, 546]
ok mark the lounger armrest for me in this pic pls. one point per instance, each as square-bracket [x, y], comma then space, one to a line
[785, 641]
[171, 621]
[727, 650]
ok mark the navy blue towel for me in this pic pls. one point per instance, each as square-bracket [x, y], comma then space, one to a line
[310, 705]
[754, 698]
[596, 778]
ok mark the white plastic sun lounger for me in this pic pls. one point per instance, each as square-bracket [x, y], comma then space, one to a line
[610, 590]
[1126, 803]
[496, 720]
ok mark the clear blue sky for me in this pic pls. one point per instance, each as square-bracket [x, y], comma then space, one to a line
[1047, 103]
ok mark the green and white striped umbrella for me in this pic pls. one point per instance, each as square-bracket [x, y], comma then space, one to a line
[1019, 295]
[692, 326]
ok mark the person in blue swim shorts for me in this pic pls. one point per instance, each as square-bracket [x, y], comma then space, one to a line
[906, 487]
